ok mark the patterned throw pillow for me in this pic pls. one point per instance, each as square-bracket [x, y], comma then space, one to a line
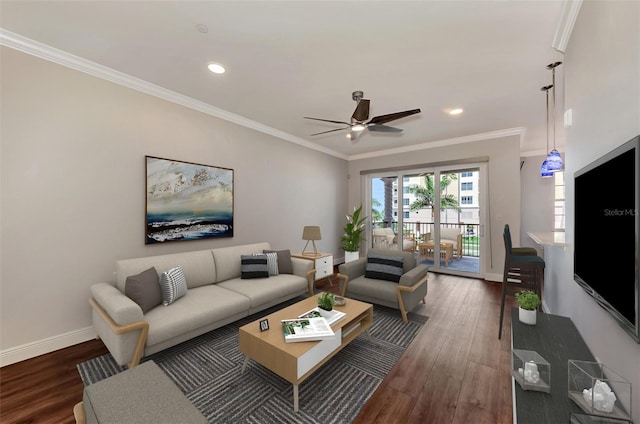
[173, 285]
[285, 266]
[144, 289]
[272, 263]
[254, 266]
[381, 267]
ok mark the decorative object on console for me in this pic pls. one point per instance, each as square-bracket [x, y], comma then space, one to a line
[187, 201]
[598, 390]
[311, 234]
[528, 302]
[530, 370]
[353, 230]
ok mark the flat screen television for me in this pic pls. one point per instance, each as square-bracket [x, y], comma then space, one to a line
[607, 216]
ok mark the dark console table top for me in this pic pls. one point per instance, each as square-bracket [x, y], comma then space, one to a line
[557, 339]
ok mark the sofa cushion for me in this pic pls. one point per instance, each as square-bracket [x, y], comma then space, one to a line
[384, 267]
[272, 263]
[227, 259]
[285, 266]
[144, 289]
[254, 266]
[173, 285]
[261, 292]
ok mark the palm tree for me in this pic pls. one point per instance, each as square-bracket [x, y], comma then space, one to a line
[425, 195]
[376, 215]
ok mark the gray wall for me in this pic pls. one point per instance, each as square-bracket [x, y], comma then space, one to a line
[602, 86]
[73, 191]
[504, 185]
[537, 201]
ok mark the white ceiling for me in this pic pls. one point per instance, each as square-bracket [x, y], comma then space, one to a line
[286, 60]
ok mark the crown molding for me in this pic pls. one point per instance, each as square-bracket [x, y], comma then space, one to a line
[51, 54]
[520, 131]
[568, 18]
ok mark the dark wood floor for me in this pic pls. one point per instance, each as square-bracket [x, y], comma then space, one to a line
[455, 371]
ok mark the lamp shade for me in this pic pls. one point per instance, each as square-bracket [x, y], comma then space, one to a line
[554, 161]
[544, 171]
[311, 233]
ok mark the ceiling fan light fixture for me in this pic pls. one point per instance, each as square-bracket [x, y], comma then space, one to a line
[216, 68]
[358, 127]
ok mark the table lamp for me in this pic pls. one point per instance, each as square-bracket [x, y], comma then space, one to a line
[311, 234]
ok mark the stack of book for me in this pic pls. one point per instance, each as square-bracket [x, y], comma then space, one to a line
[312, 325]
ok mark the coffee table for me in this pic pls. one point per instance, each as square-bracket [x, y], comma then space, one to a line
[295, 362]
[426, 250]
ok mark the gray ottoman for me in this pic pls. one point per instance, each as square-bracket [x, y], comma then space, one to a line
[143, 394]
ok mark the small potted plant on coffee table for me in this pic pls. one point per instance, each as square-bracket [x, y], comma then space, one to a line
[326, 301]
[528, 302]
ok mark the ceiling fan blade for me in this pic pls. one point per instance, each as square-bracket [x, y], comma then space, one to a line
[328, 120]
[383, 128]
[361, 113]
[382, 119]
[324, 132]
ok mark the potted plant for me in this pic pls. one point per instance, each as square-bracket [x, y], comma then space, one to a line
[353, 235]
[528, 302]
[326, 301]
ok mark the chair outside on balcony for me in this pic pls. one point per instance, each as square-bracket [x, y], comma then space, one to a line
[521, 272]
[385, 238]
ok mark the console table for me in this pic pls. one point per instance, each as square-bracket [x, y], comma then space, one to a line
[557, 340]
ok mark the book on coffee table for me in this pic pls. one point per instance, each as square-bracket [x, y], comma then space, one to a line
[332, 316]
[306, 329]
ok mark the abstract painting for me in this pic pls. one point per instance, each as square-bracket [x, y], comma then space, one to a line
[187, 201]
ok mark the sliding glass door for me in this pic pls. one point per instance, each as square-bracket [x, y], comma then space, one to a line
[435, 213]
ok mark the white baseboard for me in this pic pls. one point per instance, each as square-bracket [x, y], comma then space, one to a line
[40, 347]
[493, 277]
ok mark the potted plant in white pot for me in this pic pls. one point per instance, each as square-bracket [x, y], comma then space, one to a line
[528, 302]
[353, 235]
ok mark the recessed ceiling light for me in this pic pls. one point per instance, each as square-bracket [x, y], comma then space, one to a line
[457, 111]
[216, 68]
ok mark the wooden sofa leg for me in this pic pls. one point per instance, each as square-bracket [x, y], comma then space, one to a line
[402, 309]
[78, 413]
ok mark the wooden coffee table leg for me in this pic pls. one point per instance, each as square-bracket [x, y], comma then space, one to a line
[295, 398]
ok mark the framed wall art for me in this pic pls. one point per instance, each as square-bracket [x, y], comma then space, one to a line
[187, 201]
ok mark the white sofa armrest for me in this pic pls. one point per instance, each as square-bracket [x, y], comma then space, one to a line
[116, 304]
[304, 268]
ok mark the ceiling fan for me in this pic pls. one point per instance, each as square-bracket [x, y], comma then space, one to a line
[359, 119]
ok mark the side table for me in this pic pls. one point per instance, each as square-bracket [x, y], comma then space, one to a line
[323, 264]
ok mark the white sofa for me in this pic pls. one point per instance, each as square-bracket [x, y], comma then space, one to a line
[216, 296]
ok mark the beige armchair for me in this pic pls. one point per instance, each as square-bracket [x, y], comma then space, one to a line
[450, 235]
[385, 238]
[359, 280]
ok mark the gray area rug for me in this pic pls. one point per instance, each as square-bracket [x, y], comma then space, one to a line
[207, 370]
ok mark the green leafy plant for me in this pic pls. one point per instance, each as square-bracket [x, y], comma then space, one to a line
[528, 300]
[326, 301]
[353, 231]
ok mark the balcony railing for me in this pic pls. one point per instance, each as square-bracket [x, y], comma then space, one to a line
[422, 231]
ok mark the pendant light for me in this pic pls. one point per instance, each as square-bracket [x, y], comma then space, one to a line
[544, 169]
[554, 160]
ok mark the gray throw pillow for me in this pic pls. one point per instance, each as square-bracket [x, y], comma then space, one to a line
[144, 289]
[253, 266]
[285, 266]
[173, 285]
[382, 267]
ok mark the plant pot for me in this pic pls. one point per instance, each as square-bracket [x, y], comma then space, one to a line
[351, 256]
[326, 309]
[527, 317]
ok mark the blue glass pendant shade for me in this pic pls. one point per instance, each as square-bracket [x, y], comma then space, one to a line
[554, 161]
[544, 171]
